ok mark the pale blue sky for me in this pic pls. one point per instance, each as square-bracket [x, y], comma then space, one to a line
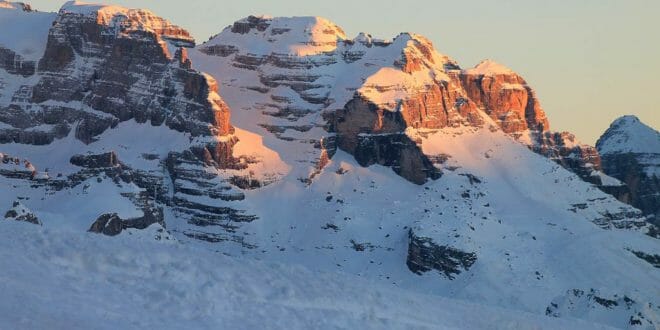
[590, 61]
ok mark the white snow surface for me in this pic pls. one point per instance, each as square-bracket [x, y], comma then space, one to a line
[23, 32]
[65, 280]
[607, 180]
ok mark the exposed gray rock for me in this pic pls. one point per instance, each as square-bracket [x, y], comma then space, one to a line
[105, 160]
[15, 64]
[653, 259]
[425, 255]
[376, 136]
[110, 224]
[19, 212]
[625, 311]
[643, 189]
[190, 181]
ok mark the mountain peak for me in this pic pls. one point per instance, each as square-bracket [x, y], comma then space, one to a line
[629, 134]
[489, 67]
[128, 20]
[297, 35]
[626, 120]
[86, 8]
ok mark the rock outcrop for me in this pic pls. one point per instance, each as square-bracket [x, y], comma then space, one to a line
[626, 312]
[108, 159]
[15, 64]
[110, 224]
[377, 136]
[17, 168]
[630, 152]
[425, 255]
[19, 212]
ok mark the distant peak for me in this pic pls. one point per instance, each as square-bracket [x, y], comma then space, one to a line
[626, 120]
[298, 35]
[101, 10]
[314, 25]
[86, 8]
[629, 134]
[73, 5]
[489, 67]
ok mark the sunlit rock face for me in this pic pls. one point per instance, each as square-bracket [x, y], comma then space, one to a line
[505, 97]
[630, 152]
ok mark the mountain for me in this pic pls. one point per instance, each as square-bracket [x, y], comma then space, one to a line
[280, 143]
[326, 70]
[631, 153]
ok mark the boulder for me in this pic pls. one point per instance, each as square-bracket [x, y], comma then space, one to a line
[109, 224]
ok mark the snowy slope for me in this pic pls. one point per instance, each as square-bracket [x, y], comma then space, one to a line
[70, 280]
[24, 32]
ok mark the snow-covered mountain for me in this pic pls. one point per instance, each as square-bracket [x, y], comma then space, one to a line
[631, 153]
[282, 143]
